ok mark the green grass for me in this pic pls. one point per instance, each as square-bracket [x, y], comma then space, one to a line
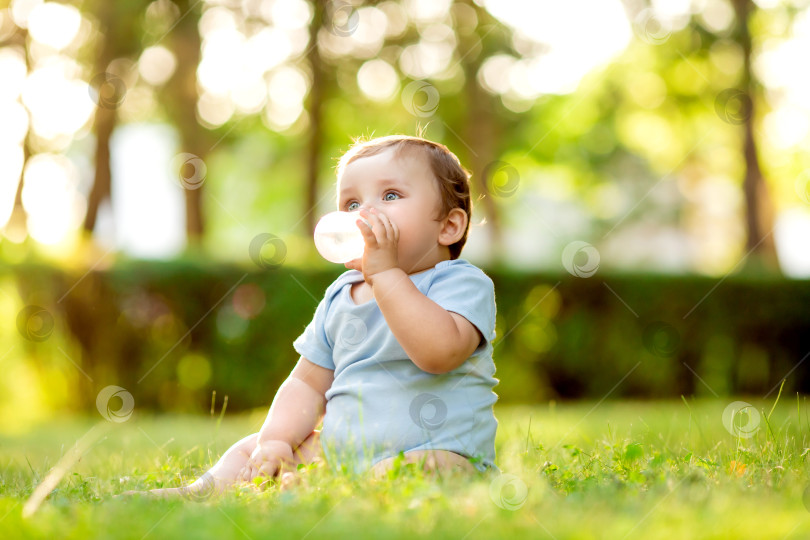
[615, 469]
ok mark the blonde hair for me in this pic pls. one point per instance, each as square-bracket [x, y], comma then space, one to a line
[453, 179]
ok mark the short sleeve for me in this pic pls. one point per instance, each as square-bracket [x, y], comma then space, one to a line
[313, 344]
[465, 289]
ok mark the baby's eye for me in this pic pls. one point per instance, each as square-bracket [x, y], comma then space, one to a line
[390, 193]
[349, 208]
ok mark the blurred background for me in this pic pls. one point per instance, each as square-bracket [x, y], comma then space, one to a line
[640, 176]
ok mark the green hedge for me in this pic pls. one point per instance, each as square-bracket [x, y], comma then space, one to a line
[157, 328]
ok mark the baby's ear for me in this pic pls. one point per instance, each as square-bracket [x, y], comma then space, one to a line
[453, 227]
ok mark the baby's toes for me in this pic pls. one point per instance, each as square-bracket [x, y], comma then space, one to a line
[288, 480]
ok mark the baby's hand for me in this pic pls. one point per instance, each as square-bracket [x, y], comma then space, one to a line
[381, 241]
[266, 460]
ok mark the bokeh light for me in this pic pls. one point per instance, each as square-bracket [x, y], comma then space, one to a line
[378, 80]
[50, 197]
[156, 64]
[59, 101]
[55, 25]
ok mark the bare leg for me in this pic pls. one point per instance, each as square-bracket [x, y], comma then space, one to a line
[224, 472]
[432, 461]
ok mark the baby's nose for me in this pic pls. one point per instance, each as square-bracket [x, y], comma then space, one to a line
[366, 206]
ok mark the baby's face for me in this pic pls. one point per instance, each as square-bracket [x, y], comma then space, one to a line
[405, 190]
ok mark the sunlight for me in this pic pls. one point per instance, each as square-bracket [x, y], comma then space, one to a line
[288, 87]
[370, 30]
[494, 73]
[214, 110]
[290, 14]
[12, 73]
[220, 65]
[15, 122]
[396, 18]
[233, 67]
[425, 59]
[51, 199]
[787, 126]
[378, 80]
[267, 48]
[776, 66]
[156, 65]
[21, 10]
[362, 36]
[717, 16]
[249, 93]
[427, 10]
[791, 234]
[11, 162]
[59, 104]
[280, 118]
[140, 184]
[55, 25]
[216, 18]
[576, 44]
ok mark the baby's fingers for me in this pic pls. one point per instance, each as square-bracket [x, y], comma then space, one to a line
[390, 231]
[368, 229]
[267, 469]
[355, 264]
[247, 474]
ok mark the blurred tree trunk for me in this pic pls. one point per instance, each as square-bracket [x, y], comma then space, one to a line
[105, 117]
[482, 129]
[103, 127]
[181, 98]
[314, 105]
[16, 229]
[759, 219]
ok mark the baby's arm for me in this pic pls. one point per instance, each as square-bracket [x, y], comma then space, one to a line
[435, 339]
[297, 408]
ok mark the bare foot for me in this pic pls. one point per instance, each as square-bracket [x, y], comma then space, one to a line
[290, 480]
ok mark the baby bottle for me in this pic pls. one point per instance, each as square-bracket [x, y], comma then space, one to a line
[338, 238]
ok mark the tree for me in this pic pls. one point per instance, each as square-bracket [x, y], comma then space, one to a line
[759, 207]
[117, 38]
[314, 108]
[17, 226]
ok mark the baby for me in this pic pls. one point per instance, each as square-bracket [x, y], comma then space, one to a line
[397, 360]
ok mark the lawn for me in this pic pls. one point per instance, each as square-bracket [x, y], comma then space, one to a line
[610, 469]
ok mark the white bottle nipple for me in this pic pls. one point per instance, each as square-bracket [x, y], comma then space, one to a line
[338, 238]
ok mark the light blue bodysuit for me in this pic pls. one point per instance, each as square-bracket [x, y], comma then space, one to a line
[380, 402]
